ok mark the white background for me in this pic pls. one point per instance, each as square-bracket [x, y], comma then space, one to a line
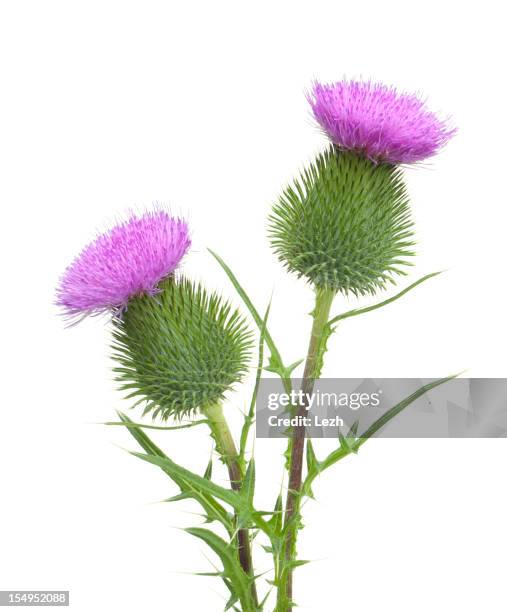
[109, 105]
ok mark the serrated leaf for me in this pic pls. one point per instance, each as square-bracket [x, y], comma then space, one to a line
[349, 446]
[193, 481]
[212, 508]
[188, 495]
[228, 556]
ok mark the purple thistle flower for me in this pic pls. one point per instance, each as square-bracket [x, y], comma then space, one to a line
[379, 122]
[129, 259]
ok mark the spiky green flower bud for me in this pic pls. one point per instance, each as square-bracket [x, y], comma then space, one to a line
[181, 349]
[345, 224]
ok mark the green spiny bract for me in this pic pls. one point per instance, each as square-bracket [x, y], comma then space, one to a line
[181, 349]
[344, 224]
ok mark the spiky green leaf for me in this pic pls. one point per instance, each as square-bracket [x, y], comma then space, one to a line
[213, 510]
[240, 582]
[193, 481]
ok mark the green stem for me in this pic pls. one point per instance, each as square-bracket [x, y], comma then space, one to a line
[313, 366]
[227, 449]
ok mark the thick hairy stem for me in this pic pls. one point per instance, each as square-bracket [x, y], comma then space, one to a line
[227, 449]
[313, 366]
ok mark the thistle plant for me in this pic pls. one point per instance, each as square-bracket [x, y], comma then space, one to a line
[344, 226]
[179, 350]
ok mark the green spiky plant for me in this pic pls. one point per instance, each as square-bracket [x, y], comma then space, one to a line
[179, 353]
[343, 226]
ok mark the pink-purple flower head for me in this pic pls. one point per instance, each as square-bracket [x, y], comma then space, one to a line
[378, 121]
[129, 259]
